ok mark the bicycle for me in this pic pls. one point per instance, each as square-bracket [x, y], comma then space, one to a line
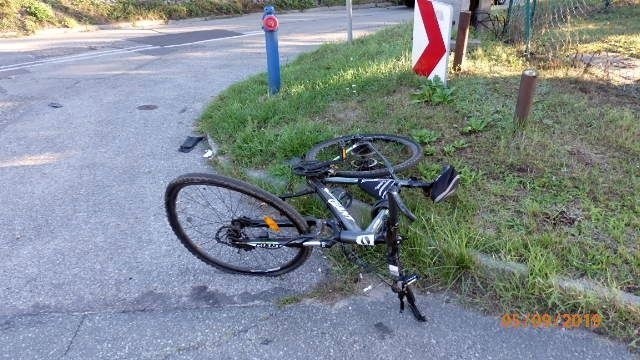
[261, 234]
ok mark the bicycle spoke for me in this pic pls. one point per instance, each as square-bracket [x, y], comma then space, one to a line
[203, 210]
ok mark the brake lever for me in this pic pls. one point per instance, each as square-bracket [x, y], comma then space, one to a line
[402, 207]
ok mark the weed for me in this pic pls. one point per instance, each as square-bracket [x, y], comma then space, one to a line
[429, 150]
[425, 136]
[39, 11]
[476, 125]
[459, 144]
[289, 300]
[434, 92]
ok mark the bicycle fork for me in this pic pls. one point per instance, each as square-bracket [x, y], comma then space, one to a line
[402, 281]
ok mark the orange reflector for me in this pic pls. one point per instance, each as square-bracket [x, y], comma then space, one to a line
[344, 154]
[271, 223]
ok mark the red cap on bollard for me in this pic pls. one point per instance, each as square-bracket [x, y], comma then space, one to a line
[270, 23]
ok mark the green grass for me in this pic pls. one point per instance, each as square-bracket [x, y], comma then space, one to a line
[559, 196]
[620, 35]
[569, 27]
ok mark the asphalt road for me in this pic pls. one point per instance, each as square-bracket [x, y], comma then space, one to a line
[90, 268]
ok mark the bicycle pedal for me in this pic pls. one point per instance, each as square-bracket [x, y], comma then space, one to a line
[408, 280]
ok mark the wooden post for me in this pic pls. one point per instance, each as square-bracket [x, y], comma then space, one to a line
[461, 40]
[525, 96]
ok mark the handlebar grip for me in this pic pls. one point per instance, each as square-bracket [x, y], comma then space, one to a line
[403, 208]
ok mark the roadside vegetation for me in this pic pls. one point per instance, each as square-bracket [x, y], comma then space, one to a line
[560, 195]
[21, 17]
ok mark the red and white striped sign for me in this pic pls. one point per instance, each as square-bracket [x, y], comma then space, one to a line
[431, 34]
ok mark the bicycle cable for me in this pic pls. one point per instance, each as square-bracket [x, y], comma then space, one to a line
[368, 268]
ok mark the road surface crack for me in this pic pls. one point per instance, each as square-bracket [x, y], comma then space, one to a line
[75, 334]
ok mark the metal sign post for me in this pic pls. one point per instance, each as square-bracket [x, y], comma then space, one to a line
[349, 22]
[270, 26]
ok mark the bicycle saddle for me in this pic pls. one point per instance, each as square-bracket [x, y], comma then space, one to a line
[445, 185]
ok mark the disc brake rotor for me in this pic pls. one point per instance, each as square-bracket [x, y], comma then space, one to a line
[230, 236]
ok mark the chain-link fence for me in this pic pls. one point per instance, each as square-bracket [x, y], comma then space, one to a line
[528, 21]
[600, 36]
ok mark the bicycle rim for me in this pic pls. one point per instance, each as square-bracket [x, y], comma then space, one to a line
[361, 161]
[202, 208]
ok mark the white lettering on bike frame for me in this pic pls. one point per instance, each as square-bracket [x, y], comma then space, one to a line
[338, 206]
[368, 240]
[382, 187]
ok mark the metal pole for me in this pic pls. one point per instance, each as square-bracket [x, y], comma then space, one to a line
[507, 22]
[525, 96]
[527, 26]
[461, 40]
[270, 26]
[509, 14]
[534, 6]
[349, 22]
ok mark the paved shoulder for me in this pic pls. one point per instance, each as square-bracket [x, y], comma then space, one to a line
[354, 328]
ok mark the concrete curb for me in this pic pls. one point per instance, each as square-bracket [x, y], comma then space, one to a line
[492, 267]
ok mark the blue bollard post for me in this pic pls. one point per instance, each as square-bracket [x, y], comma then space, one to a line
[270, 27]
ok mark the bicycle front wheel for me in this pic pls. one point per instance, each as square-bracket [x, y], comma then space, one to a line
[362, 161]
[216, 217]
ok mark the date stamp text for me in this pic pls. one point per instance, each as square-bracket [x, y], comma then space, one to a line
[537, 320]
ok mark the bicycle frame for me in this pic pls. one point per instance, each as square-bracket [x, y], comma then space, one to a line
[345, 227]
[352, 232]
[269, 223]
[372, 235]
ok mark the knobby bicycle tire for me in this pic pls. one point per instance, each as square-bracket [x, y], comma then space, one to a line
[402, 152]
[211, 200]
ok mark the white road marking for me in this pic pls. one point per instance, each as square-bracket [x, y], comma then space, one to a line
[210, 40]
[93, 55]
[72, 57]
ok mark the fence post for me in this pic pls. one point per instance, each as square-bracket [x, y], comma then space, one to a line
[507, 21]
[525, 96]
[461, 40]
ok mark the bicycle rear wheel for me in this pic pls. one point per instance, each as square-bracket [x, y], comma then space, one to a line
[215, 216]
[361, 161]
